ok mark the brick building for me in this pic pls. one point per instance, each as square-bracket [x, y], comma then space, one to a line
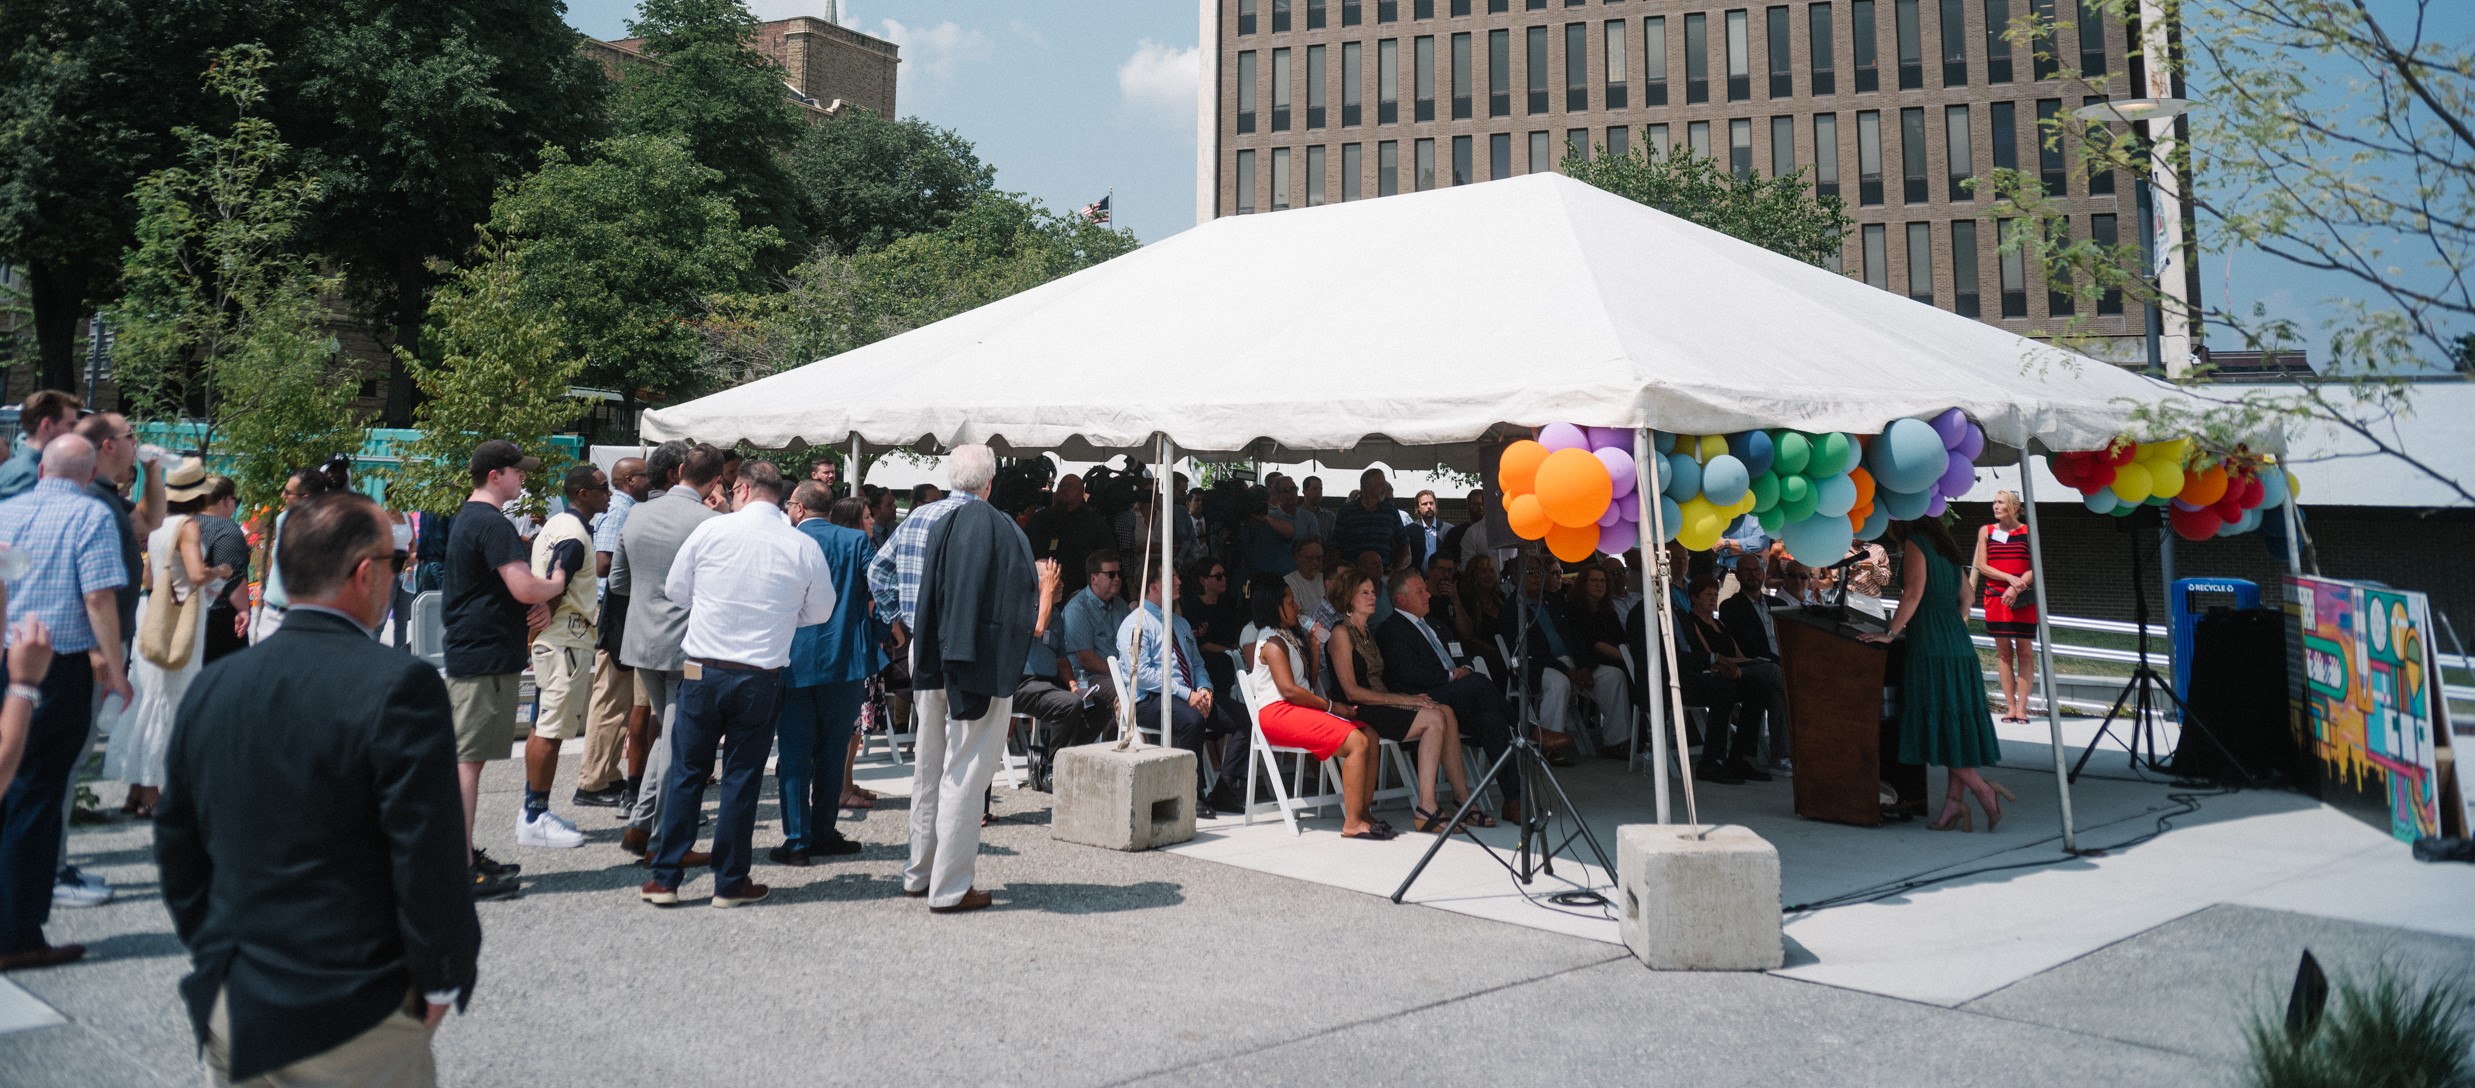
[822, 63]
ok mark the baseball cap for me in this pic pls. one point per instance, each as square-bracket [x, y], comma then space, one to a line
[498, 453]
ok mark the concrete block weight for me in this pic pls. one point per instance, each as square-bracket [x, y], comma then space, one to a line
[1130, 800]
[1691, 903]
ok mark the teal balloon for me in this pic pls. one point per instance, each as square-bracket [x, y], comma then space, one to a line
[1662, 441]
[1903, 505]
[1834, 497]
[2101, 501]
[1796, 498]
[1791, 451]
[1771, 520]
[1673, 518]
[1908, 457]
[1765, 488]
[1875, 523]
[2272, 488]
[1724, 480]
[1658, 470]
[1684, 478]
[1833, 453]
[1818, 541]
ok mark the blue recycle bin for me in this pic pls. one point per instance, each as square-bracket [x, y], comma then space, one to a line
[2192, 598]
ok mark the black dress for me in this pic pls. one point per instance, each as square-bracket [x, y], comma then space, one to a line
[1389, 722]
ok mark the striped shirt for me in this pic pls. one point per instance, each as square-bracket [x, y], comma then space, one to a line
[76, 551]
[894, 575]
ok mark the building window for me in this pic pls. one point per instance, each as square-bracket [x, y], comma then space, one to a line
[1954, 43]
[2014, 269]
[1246, 92]
[1579, 139]
[1314, 14]
[1576, 67]
[1654, 59]
[2050, 169]
[1314, 153]
[1425, 165]
[1868, 42]
[1542, 152]
[1422, 89]
[1869, 158]
[1280, 90]
[2101, 231]
[1964, 267]
[1499, 73]
[1246, 16]
[1739, 58]
[1818, 48]
[1696, 58]
[1910, 40]
[1619, 141]
[2005, 128]
[1782, 146]
[1280, 15]
[1958, 150]
[2059, 297]
[1352, 13]
[1423, 9]
[1656, 136]
[1697, 138]
[1387, 11]
[1245, 183]
[1537, 69]
[1826, 154]
[1913, 186]
[1280, 179]
[2042, 63]
[2092, 40]
[1499, 156]
[1353, 163]
[1498, 7]
[1353, 80]
[1740, 147]
[1387, 81]
[1314, 86]
[1921, 262]
[1387, 168]
[1460, 77]
[1463, 171]
[1997, 47]
[1782, 64]
[2100, 182]
[1618, 95]
[1877, 256]
[1460, 8]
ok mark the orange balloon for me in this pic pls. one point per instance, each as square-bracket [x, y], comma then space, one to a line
[1518, 471]
[1573, 488]
[1573, 543]
[1861, 511]
[1856, 521]
[1864, 485]
[1528, 520]
[2206, 487]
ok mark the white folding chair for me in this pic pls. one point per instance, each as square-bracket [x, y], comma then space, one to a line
[1018, 764]
[896, 734]
[1288, 798]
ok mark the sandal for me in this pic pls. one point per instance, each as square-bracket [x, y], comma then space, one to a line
[1376, 831]
[1432, 822]
[1477, 818]
[863, 800]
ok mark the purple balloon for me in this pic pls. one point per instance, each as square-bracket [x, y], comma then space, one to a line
[1972, 444]
[1935, 508]
[1613, 515]
[1952, 424]
[1958, 477]
[1618, 538]
[1630, 505]
[1562, 436]
[1610, 438]
[2181, 505]
[1619, 469]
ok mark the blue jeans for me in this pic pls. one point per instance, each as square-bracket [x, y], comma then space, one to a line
[815, 731]
[733, 709]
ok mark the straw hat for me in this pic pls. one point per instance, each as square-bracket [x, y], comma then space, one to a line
[186, 481]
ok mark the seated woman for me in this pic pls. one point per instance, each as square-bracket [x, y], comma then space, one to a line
[1358, 674]
[1480, 620]
[1595, 637]
[1710, 666]
[1278, 686]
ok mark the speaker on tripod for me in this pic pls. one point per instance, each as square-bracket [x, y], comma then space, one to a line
[2238, 686]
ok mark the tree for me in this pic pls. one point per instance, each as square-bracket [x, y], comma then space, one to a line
[501, 372]
[869, 180]
[221, 317]
[1780, 214]
[2370, 180]
[626, 247]
[727, 103]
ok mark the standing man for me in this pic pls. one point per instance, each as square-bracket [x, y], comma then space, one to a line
[748, 581]
[1419, 660]
[307, 834]
[825, 470]
[72, 589]
[616, 707]
[830, 663]
[974, 613]
[490, 590]
[655, 625]
[562, 655]
[1458, 542]
[1069, 530]
[116, 457]
[1426, 531]
[46, 415]
[1370, 523]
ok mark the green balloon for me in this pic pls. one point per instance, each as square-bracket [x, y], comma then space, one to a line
[1792, 450]
[1797, 496]
[2155, 500]
[1832, 454]
[1771, 520]
[2123, 510]
[1765, 492]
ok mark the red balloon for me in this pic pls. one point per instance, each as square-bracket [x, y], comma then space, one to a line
[2253, 492]
[2069, 472]
[2199, 524]
[2098, 475]
[2229, 508]
[2120, 453]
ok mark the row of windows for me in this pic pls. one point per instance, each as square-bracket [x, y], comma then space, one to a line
[1617, 71]
[1957, 251]
[1354, 12]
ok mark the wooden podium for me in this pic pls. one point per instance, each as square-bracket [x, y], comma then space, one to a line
[1843, 745]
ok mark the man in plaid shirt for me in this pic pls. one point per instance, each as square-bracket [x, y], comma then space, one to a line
[70, 587]
[894, 575]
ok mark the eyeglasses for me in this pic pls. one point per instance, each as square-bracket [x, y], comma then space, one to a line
[394, 560]
[1112, 574]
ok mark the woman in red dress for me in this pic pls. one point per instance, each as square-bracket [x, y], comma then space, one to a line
[1293, 716]
[2010, 611]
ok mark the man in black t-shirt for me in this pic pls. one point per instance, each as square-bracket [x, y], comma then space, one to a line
[490, 593]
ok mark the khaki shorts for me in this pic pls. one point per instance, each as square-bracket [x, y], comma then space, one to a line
[564, 677]
[637, 677]
[485, 715]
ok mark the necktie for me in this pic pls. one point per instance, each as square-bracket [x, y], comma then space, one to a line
[1185, 668]
[1440, 653]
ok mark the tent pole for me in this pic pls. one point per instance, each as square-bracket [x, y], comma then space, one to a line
[1168, 594]
[1653, 672]
[855, 472]
[1655, 598]
[2045, 643]
[2294, 534]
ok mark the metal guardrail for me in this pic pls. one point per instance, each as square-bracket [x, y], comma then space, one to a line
[2455, 693]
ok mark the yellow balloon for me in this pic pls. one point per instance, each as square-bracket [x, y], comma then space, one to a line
[2132, 482]
[2294, 486]
[1712, 445]
[1700, 523]
[2165, 478]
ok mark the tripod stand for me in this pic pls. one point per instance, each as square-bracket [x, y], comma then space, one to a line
[1534, 853]
[2142, 692]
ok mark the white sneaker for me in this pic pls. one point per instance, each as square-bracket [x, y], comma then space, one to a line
[549, 830]
[73, 888]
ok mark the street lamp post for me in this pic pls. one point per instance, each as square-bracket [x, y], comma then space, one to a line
[2147, 112]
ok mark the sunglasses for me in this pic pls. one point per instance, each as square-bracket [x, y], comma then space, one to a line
[1112, 574]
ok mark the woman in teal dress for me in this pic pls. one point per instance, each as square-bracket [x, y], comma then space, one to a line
[1943, 717]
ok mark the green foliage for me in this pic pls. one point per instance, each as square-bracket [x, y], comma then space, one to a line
[869, 180]
[727, 103]
[2388, 1034]
[1780, 214]
[220, 317]
[501, 371]
[625, 247]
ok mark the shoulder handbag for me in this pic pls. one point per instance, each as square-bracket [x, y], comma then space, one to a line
[169, 633]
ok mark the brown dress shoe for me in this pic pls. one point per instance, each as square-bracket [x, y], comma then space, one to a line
[973, 899]
[634, 840]
[659, 894]
[746, 891]
[50, 955]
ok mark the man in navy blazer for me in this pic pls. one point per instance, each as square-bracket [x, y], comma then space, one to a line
[1418, 660]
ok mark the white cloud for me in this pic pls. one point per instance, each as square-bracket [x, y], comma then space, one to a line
[1161, 81]
[932, 51]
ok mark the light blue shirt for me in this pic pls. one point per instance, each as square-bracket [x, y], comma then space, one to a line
[606, 534]
[1091, 624]
[1147, 679]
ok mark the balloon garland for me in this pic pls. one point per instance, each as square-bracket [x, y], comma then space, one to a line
[2204, 495]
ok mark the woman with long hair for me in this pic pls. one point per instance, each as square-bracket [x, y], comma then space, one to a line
[1595, 635]
[2010, 613]
[1358, 674]
[1277, 685]
[1943, 720]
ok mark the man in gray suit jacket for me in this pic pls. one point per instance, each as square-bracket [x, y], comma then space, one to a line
[656, 626]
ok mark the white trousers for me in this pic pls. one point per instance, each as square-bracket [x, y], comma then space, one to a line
[954, 761]
[1607, 686]
[1555, 702]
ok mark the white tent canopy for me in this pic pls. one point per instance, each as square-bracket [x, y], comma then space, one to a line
[1356, 332]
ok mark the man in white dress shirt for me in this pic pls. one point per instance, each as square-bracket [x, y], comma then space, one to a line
[748, 580]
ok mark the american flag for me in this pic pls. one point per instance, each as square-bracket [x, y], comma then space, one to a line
[1098, 211]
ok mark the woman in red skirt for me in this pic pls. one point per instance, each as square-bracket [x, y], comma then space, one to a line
[1293, 716]
[2010, 609]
